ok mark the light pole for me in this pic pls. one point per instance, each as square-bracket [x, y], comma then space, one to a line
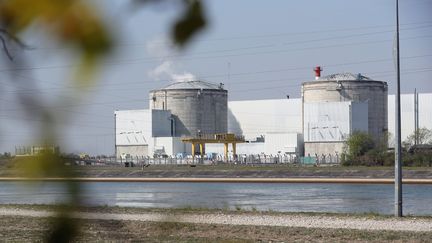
[398, 155]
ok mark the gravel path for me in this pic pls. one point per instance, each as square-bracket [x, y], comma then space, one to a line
[333, 222]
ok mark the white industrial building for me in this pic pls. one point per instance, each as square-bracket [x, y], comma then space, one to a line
[141, 131]
[302, 126]
[337, 105]
[245, 116]
[328, 125]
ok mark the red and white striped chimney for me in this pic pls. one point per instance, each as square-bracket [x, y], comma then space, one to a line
[317, 70]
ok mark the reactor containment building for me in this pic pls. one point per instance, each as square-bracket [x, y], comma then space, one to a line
[335, 106]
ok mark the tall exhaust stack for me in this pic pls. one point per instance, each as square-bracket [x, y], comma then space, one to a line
[317, 70]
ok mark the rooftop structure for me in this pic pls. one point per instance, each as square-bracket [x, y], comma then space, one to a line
[193, 85]
[345, 77]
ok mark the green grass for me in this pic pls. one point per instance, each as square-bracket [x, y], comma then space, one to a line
[24, 229]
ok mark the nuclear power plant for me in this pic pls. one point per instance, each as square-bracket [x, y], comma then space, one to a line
[196, 107]
[195, 118]
[335, 106]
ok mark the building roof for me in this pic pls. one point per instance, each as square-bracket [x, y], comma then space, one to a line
[344, 76]
[193, 85]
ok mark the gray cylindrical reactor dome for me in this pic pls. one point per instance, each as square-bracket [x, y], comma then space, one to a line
[349, 87]
[196, 106]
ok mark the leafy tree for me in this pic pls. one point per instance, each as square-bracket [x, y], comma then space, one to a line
[358, 144]
[361, 149]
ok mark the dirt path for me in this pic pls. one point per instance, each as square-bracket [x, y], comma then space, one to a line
[253, 219]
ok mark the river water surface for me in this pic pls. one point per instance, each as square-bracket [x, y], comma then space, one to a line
[284, 197]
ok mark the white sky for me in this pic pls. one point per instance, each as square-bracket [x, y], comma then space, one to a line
[259, 49]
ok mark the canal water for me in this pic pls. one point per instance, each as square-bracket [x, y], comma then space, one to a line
[284, 197]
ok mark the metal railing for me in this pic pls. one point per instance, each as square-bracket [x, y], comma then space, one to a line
[329, 159]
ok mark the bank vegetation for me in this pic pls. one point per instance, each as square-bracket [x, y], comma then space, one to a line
[361, 150]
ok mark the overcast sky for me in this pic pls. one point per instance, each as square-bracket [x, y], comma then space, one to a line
[258, 49]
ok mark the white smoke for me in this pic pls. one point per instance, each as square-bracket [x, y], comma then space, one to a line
[167, 69]
[185, 76]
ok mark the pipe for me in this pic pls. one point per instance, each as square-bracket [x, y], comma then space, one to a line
[317, 70]
[398, 145]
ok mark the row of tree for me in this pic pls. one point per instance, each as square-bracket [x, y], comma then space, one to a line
[361, 149]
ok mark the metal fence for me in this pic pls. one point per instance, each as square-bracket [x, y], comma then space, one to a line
[326, 158]
[238, 160]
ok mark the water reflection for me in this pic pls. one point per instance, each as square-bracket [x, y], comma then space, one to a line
[275, 196]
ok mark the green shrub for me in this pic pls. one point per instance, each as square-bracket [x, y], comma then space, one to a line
[360, 149]
[417, 159]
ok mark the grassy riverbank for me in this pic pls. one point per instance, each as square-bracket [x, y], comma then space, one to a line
[237, 210]
[23, 228]
[34, 229]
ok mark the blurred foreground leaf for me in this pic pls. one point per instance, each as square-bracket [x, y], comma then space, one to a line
[42, 166]
[72, 22]
[75, 24]
[64, 229]
[190, 23]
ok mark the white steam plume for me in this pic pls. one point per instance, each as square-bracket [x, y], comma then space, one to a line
[167, 69]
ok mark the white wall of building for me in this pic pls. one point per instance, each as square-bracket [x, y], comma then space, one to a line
[253, 118]
[131, 151]
[132, 132]
[136, 127]
[334, 121]
[425, 110]
[242, 148]
[133, 127]
[170, 146]
[283, 143]
[274, 144]
[326, 121]
[407, 114]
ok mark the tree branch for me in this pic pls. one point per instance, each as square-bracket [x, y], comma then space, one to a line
[16, 40]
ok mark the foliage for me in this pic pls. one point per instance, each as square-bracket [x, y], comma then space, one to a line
[360, 149]
[357, 145]
[192, 20]
[72, 23]
[188, 24]
[5, 155]
[417, 159]
[424, 136]
[77, 25]
[46, 164]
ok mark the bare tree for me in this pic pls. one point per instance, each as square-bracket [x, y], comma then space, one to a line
[422, 135]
